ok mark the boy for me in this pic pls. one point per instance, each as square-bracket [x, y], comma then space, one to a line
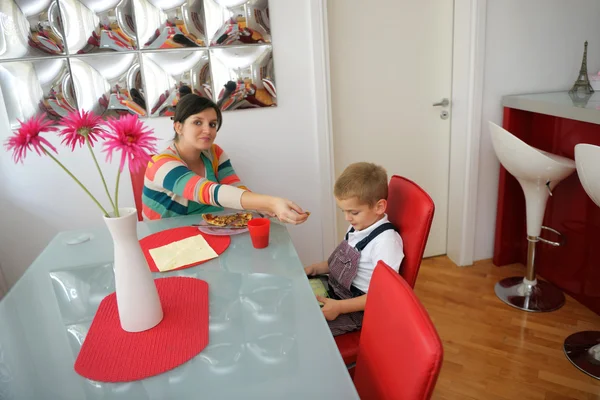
[361, 193]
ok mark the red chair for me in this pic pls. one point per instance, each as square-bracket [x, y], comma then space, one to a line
[410, 210]
[400, 353]
[137, 183]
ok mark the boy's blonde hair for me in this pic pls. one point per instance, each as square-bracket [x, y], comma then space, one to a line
[366, 181]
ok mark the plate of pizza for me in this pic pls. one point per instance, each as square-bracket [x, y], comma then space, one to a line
[225, 224]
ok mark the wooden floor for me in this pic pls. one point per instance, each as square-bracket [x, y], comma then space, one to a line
[493, 351]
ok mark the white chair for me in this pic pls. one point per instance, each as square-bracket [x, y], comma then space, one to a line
[538, 173]
[583, 348]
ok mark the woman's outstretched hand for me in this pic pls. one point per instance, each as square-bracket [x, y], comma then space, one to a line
[287, 211]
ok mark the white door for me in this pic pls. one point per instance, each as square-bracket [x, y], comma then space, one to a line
[390, 61]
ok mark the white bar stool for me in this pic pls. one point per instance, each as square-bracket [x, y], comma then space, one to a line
[538, 173]
[583, 348]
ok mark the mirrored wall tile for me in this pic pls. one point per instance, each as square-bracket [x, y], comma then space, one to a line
[231, 22]
[243, 77]
[168, 24]
[266, 297]
[30, 28]
[80, 291]
[33, 87]
[98, 25]
[109, 84]
[168, 74]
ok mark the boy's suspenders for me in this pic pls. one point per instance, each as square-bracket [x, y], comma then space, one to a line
[363, 243]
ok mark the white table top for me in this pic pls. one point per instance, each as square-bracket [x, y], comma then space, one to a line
[268, 338]
[558, 104]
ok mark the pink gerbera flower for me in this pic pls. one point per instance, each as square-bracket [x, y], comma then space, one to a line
[79, 125]
[27, 137]
[135, 141]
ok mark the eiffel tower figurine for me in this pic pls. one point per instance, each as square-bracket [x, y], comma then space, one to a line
[582, 81]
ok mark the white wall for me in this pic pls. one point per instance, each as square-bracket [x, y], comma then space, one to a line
[273, 150]
[531, 46]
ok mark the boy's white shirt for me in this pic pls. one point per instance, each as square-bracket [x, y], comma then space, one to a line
[387, 246]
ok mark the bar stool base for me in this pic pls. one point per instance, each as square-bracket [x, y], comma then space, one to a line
[539, 297]
[583, 350]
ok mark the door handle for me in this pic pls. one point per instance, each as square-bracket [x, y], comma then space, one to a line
[444, 103]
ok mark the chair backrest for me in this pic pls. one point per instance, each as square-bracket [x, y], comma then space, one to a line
[400, 353]
[410, 210]
[137, 183]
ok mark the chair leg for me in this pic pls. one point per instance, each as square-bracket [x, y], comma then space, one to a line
[351, 368]
[583, 350]
[527, 293]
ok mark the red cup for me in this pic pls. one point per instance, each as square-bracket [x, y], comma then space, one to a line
[259, 232]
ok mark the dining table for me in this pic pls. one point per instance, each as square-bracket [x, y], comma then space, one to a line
[268, 338]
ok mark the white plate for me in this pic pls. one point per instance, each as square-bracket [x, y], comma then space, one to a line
[218, 231]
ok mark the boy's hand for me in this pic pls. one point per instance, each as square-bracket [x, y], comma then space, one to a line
[317, 269]
[311, 270]
[331, 308]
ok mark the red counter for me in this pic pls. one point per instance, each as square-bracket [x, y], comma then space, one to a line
[574, 267]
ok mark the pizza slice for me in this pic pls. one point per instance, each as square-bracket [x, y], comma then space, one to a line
[241, 219]
[237, 220]
[216, 220]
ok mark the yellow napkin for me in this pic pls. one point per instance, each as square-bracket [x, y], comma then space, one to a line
[183, 252]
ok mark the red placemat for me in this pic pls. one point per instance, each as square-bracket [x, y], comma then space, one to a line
[110, 354]
[163, 238]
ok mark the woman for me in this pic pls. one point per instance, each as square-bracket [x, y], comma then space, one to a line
[195, 176]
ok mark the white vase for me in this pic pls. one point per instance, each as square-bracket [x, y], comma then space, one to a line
[137, 298]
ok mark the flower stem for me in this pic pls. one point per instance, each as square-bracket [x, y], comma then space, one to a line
[89, 144]
[117, 195]
[75, 179]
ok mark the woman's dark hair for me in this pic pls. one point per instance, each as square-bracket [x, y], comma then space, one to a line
[190, 104]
